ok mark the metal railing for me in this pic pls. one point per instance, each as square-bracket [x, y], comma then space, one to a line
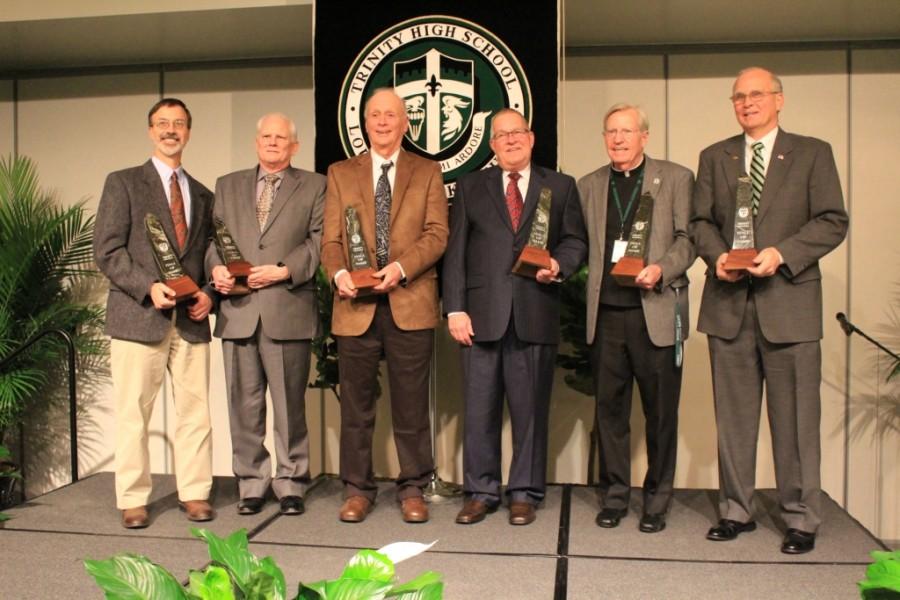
[73, 417]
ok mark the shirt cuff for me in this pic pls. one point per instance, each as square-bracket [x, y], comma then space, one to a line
[338, 274]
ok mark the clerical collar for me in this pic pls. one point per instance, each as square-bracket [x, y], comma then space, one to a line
[629, 172]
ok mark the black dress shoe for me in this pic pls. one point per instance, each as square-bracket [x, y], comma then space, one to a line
[250, 506]
[292, 505]
[610, 517]
[798, 542]
[652, 523]
[728, 530]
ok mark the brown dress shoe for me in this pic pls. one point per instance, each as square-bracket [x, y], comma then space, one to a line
[521, 513]
[473, 511]
[197, 510]
[355, 509]
[135, 518]
[414, 509]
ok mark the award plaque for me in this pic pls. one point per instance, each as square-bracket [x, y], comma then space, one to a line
[743, 249]
[170, 270]
[632, 262]
[361, 271]
[232, 257]
[535, 255]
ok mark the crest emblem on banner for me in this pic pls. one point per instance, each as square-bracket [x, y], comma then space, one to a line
[452, 75]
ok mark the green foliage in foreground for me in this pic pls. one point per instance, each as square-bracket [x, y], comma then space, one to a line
[882, 580]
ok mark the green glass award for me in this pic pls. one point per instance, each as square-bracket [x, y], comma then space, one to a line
[535, 255]
[232, 257]
[632, 263]
[170, 270]
[743, 250]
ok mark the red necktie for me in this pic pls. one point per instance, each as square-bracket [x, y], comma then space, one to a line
[514, 200]
[176, 205]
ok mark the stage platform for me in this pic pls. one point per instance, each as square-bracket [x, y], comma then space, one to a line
[562, 555]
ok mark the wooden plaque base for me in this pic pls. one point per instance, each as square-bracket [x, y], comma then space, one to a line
[531, 261]
[627, 269]
[184, 287]
[365, 280]
[239, 269]
[740, 260]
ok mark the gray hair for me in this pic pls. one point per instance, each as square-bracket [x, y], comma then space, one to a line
[643, 121]
[776, 80]
[292, 127]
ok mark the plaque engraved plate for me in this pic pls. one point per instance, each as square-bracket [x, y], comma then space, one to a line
[170, 270]
[232, 257]
[743, 247]
[632, 263]
[535, 255]
[361, 271]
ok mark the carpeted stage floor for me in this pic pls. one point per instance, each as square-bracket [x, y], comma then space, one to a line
[562, 555]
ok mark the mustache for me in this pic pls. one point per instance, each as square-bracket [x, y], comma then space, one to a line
[170, 136]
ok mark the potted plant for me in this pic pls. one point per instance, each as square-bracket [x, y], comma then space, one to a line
[45, 256]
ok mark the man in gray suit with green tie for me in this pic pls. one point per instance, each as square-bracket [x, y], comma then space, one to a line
[274, 215]
[764, 323]
[635, 330]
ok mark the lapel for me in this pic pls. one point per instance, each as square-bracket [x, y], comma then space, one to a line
[494, 183]
[246, 185]
[289, 184]
[779, 164]
[598, 208]
[733, 164]
[535, 183]
[198, 206]
[401, 181]
[366, 189]
[651, 185]
[157, 203]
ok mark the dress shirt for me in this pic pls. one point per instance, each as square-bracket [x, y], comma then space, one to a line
[165, 174]
[768, 141]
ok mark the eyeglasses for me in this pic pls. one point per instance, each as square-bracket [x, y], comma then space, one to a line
[165, 124]
[754, 96]
[625, 133]
[502, 135]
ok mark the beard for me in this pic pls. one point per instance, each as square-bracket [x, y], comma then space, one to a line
[170, 150]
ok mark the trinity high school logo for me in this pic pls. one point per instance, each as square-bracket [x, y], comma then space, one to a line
[452, 74]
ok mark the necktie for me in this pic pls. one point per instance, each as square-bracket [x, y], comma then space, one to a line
[264, 203]
[383, 216]
[757, 175]
[176, 205]
[514, 200]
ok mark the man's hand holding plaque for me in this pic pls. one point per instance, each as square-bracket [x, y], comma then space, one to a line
[237, 267]
[743, 250]
[361, 272]
[179, 284]
[630, 265]
[535, 257]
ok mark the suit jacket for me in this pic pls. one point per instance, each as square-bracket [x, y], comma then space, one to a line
[292, 236]
[801, 214]
[483, 248]
[669, 245]
[418, 238]
[123, 253]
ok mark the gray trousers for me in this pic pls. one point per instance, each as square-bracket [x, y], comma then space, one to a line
[253, 365]
[792, 375]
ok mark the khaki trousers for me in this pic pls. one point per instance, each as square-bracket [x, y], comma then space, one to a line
[138, 371]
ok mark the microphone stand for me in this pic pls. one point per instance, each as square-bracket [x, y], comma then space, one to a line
[437, 489]
[849, 329]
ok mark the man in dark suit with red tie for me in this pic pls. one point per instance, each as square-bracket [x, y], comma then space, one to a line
[507, 324]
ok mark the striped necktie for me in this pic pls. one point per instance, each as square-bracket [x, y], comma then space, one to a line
[757, 175]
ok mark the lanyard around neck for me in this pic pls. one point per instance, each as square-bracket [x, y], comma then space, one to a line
[623, 216]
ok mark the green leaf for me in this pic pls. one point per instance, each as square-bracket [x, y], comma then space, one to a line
[261, 586]
[427, 586]
[267, 565]
[133, 577]
[369, 564]
[312, 591]
[230, 552]
[356, 589]
[884, 573]
[212, 584]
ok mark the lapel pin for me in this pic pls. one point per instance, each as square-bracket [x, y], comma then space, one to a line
[734, 157]
[781, 157]
[656, 181]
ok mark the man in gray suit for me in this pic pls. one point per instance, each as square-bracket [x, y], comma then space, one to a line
[636, 331]
[765, 323]
[150, 333]
[274, 214]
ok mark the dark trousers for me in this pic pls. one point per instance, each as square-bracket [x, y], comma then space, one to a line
[621, 353]
[524, 373]
[408, 355]
[792, 374]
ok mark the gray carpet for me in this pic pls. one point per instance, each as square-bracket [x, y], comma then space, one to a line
[48, 537]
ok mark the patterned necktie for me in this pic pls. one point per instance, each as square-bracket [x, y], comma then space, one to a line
[264, 204]
[757, 175]
[383, 216]
[176, 205]
[514, 200]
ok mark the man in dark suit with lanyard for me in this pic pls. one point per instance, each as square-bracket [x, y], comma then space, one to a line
[507, 324]
[764, 323]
